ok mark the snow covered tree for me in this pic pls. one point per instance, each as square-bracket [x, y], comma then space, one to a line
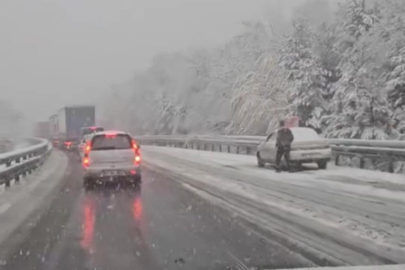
[392, 34]
[307, 77]
[259, 99]
[354, 18]
[328, 56]
[361, 109]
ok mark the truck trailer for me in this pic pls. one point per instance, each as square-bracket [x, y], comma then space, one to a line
[69, 121]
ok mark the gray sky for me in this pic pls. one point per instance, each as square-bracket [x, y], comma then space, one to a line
[60, 52]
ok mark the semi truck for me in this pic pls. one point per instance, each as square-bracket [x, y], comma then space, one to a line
[66, 125]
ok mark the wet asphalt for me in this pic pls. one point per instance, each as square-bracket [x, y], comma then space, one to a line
[157, 225]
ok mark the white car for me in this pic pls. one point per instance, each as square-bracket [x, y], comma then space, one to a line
[111, 156]
[82, 145]
[307, 147]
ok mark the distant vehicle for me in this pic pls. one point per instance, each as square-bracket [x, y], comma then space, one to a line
[66, 125]
[82, 145]
[54, 130]
[307, 147]
[111, 156]
[41, 130]
[89, 130]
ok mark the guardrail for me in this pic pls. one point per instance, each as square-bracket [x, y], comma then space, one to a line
[21, 162]
[5, 145]
[387, 151]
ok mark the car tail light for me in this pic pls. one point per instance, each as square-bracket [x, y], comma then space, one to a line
[135, 145]
[111, 135]
[88, 148]
[137, 156]
[86, 162]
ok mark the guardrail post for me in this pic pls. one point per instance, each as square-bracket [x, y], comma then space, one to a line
[205, 147]
[361, 163]
[391, 166]
[248, 150]
[8, 163]
[337, 160]
[220, 148]
[237, 149]
[17, 178]
[7, 183]
[198, 147]
[229, 148]
[212, 147]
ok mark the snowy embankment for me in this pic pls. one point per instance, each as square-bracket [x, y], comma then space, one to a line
[18, 202]
[342, 215]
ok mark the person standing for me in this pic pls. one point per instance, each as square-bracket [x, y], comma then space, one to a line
[283, 144]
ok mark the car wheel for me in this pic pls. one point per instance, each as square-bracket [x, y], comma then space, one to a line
[322, 165]
[88, 183]
[260, 162]
[136, 182]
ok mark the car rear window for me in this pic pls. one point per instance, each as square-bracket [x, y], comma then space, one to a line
[111, 142]
[305, 134]
[90, 130]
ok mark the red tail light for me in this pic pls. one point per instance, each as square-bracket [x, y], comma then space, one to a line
[137, 160]
[86, 162]
[88, 148]
[135, 145]
[111, 135]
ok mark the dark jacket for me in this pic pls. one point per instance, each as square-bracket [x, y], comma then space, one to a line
[284, 137]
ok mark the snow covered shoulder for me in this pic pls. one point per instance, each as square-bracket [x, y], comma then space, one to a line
[21, 200]
[342, 215]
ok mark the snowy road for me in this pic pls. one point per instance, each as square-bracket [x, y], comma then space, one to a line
[204, 210]
[161, 226]
[342, 215]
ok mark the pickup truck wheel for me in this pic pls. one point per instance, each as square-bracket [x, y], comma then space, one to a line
[260, 162]
[322, 165]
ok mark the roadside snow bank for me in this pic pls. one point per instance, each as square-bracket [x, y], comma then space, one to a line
[350, 217]
[19, 201]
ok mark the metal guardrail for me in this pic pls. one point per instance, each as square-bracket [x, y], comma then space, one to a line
[5, 145]
[21, 162]
[387, 151]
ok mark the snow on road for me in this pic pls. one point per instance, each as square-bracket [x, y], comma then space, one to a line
[22, 199]
[348, 216]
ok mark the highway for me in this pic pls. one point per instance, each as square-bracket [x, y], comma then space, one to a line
[162, 225]
[202, 210]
